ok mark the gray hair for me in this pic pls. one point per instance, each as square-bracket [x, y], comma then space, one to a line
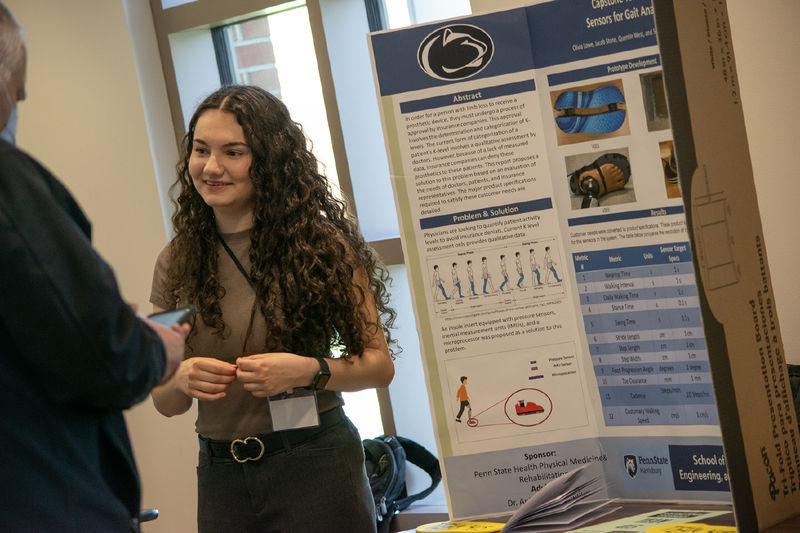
[12, 44]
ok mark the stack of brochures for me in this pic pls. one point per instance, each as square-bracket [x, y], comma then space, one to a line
[564, 503]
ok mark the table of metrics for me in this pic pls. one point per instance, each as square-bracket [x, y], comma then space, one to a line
[642, 319]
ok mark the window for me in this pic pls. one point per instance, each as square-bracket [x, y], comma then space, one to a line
[253, 56]
[273, 50]
[166, 4]
[346, 26]
[398, 13]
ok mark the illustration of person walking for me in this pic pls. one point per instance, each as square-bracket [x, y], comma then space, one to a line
[519, 270]
[463, 399]
[503, 272]
[471, 277]
[487, 278]
[550, 265]
[437, 283]
[535, 267]
[456, 281]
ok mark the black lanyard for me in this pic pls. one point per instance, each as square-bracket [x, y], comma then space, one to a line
[236, 261]
[252, 286]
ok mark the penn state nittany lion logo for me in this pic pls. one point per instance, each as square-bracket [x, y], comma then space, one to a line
[631, 465]
[455, 52]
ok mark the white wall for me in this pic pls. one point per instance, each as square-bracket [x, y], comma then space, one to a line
[85, 121]
[766, 45]
[83, 118]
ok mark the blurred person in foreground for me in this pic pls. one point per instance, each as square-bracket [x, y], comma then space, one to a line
[73, 353]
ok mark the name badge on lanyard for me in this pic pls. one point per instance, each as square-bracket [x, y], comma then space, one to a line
[294, 410]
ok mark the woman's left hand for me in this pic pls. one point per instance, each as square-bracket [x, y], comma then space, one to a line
[268, 374]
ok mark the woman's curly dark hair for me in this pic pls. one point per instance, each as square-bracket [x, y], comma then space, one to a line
[304, 250]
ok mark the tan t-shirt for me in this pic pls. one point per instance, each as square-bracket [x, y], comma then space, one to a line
[239, 414]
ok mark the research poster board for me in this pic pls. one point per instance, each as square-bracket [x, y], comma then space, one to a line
[548, 255]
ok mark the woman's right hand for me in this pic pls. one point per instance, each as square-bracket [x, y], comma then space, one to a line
[204, 378]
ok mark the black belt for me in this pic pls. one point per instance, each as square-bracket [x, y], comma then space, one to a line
[255, 447]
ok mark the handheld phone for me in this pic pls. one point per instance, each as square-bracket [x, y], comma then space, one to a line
[175, 316]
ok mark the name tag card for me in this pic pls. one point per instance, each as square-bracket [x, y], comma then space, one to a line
[294, 410]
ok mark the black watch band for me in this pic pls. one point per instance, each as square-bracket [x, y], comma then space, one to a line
[323, 375]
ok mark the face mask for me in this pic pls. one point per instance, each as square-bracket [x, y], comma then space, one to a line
[9, 133]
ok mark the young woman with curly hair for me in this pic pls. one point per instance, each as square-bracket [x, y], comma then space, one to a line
[281, 280]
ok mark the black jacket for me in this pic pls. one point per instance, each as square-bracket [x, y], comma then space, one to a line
[72, 356]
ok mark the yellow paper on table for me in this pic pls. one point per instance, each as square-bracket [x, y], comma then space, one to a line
[691, 528]
[460, 526]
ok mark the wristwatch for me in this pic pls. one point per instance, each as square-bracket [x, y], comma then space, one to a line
[322, 377]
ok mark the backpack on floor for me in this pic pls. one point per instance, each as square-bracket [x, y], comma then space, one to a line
[385, 459]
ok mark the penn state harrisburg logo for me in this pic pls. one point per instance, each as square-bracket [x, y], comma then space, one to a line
[631, 465]
[455, 52]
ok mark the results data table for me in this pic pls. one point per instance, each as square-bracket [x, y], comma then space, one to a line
[642, 319]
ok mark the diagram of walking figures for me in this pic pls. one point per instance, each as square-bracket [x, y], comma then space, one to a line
[499, 276]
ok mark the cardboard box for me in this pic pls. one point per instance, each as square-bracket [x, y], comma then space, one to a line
[757, 417]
